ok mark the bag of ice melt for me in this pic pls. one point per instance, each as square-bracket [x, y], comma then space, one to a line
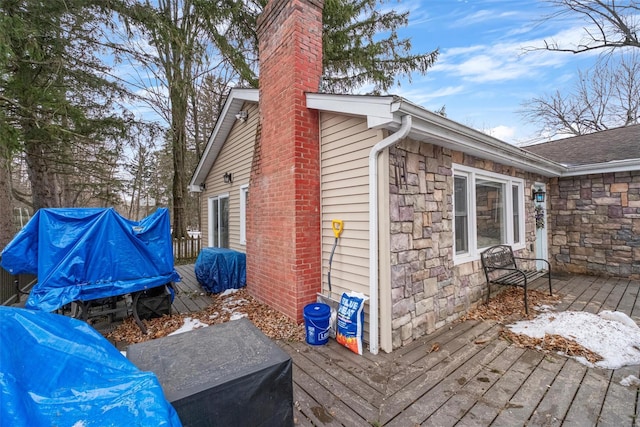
[350, 323]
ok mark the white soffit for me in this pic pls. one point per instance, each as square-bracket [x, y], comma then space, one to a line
[377, 109]
[236, 99]
[387, 111]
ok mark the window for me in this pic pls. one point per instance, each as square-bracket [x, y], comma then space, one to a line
[488, 209]
[244, 195]
[462, 215]
[515, 212]
[219, 221]
[490, 220]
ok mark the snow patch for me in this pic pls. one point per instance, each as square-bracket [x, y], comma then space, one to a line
[237, 316]
[189, 325]
[630, 381]
[612, 335]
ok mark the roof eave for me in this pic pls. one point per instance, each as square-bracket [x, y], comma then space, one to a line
[236, 99]
[386, 112]
[626, 165]
[429, 126]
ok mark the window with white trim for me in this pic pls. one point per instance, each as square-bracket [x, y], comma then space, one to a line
[219, 221]
[244, 195]
[488, 210]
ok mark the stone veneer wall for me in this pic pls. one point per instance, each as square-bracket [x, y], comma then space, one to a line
[428, 290]
[595, 223]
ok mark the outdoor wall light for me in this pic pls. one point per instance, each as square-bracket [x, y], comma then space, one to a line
[538, 195]
[242, 115]
[228, 178]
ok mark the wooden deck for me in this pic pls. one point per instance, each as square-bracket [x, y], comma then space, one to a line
[474, 379]
[190, 296]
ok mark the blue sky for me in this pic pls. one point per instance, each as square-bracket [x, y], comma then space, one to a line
[484, 73]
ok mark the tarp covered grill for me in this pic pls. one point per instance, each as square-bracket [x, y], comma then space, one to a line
[90, 253]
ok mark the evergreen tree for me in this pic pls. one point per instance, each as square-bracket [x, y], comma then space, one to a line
[56, 100]
[361, 45]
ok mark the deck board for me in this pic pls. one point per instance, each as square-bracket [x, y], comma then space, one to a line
[619, 404]
[614, 298]
[445, 384]
[408, 403]
[557, 401]
[521, 406]
[338, 403]
[487, 384]
[587, 403]
[190, 296]
[498, 397]
[462, 374]
[474, 389]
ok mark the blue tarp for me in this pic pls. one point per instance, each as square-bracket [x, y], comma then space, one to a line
[90, 253]
[58, 371]
[218, 269]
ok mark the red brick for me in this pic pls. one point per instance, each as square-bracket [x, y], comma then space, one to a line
[283, 233]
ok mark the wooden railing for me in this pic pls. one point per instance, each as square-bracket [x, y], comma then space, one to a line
[13, 289]
[187, 248]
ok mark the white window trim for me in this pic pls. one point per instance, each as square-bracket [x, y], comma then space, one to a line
[471, 174]
[210, 217]
[244, 191]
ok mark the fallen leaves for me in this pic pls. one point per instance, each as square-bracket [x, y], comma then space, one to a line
[508, 307]
[551, 342]
[505, 308]
[223, 308]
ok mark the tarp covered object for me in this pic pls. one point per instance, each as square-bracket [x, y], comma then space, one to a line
[223, 375]
[219, 269]
[90, 253]
[58, 371]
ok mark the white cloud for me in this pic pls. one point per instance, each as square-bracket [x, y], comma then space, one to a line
[482, 16]
[503, 133]
[508, 60]
[423, 96]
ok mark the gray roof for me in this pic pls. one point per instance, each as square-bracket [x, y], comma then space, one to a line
[600, 147]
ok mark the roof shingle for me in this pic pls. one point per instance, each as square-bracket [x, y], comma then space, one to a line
[600, 147]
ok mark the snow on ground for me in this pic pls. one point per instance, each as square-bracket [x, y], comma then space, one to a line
[611, 334]
[189, 325]
[237, 316]
[230, 306]
[630, 381]
[229, 292]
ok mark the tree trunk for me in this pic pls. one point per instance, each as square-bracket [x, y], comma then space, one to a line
[7, 229]
[179, 138]
[44, 182]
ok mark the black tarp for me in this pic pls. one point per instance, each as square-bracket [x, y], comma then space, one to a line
[227, 375]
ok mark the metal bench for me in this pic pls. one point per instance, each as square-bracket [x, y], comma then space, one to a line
[500, 268]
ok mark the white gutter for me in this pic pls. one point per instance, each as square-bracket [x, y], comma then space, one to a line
[605, 167]
[373, 227]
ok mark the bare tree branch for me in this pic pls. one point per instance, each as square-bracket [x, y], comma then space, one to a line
[610, 25]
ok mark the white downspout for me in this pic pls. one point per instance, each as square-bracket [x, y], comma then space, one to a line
[373, 227]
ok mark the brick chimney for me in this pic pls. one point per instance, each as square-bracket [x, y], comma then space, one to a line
[283, 213]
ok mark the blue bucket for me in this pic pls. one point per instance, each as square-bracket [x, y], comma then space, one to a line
[317, 317]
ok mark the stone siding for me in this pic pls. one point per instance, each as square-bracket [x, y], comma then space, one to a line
[428, 290]
[595, 223]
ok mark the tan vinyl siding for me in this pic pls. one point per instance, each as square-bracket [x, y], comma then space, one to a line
[345, 146]
[234, 157]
